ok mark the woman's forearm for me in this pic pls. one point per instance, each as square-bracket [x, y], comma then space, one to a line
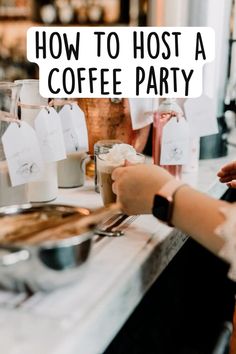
[195, 213]
[198, 215]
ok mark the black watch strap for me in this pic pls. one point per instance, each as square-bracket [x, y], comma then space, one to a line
[163, 202]
[162, 209]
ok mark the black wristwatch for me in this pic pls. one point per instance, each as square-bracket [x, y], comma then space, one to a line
[163, 202]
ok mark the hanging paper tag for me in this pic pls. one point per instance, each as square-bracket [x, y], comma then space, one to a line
[74, 128]
[201, 115]
[23, 154]
[49, 132]
[175, 142]
[141, 111]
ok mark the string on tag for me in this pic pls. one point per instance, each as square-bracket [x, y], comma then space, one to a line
[61, 102]
[9, 118]
[171, 114]
[51, 103]
[31, 106]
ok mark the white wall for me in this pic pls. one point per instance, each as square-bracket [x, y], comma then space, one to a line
[213, 13]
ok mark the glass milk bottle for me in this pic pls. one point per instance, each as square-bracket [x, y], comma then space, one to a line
[166, 111]
[46, 188]
[9, 95]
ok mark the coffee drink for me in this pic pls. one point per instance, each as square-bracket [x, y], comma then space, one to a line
[107, 162]
[106, 188]
[102, 147]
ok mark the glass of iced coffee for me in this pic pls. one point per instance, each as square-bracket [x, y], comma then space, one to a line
[107, 162]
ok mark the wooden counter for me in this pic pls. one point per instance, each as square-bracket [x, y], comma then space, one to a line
[84, 318]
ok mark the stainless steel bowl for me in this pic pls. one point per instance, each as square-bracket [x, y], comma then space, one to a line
[50, 264]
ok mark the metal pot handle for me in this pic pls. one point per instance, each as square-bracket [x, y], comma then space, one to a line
[13, 255]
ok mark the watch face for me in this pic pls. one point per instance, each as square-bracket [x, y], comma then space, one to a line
[161, 208]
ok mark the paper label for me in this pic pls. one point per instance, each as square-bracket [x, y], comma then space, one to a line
[50, 135]
[175, 142]
[74, 128]
[201, 115]
[141, 111]
[23, 153]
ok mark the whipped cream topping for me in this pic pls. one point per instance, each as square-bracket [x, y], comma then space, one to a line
[117, 156]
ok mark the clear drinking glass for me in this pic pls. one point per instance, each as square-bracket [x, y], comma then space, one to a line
[104, 170]
[102, 147]
[9, 95]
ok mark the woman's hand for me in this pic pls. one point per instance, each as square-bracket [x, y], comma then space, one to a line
[227, 174]
[136, 185]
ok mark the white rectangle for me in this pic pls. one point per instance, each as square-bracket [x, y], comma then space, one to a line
[120, 61]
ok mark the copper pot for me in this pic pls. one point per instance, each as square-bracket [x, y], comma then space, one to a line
[110, 119]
